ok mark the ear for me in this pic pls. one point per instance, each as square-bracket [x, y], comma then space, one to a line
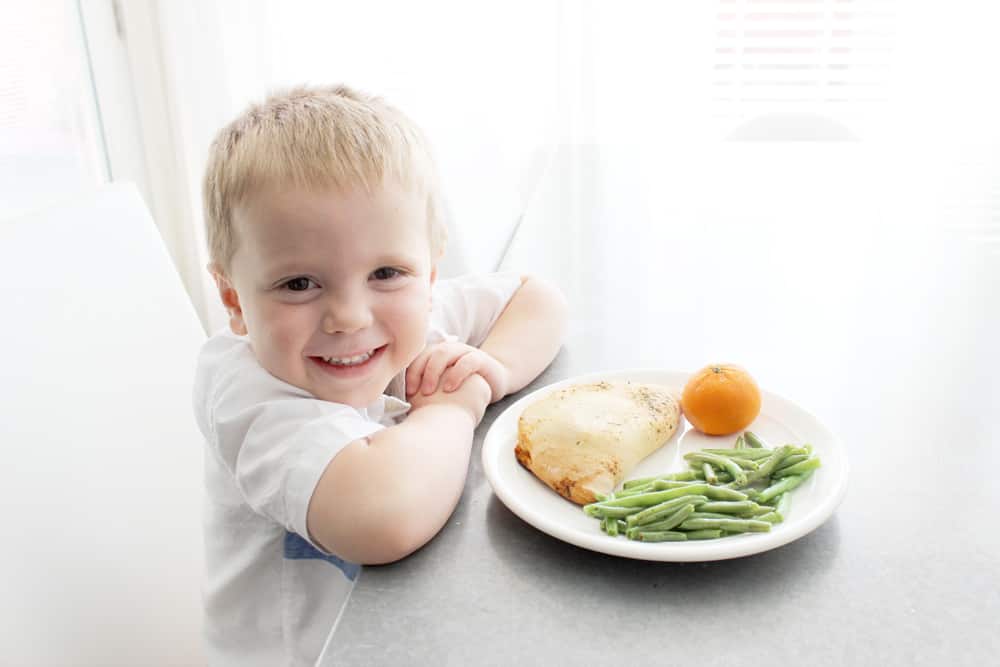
[434, 275]
[230, 299]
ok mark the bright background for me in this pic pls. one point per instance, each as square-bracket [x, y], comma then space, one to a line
[93, 91]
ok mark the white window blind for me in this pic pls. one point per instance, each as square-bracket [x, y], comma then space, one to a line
[50, 141]
[800, 69]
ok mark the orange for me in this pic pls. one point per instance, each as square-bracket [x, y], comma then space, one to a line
[720, 399]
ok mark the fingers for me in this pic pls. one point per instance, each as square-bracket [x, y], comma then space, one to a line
[439, 359]
[495, 375]
[457, 373]
[448, 365]
[415, 372]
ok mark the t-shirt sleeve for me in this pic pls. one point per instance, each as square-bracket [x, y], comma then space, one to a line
[276, 441]
[467, 307]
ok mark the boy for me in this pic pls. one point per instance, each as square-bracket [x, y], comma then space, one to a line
[324, 228]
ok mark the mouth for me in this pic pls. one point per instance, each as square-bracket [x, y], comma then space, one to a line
[349, 365]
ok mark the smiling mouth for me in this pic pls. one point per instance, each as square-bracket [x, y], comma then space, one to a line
[351, 361]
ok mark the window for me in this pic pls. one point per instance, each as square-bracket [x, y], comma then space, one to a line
[50, 137]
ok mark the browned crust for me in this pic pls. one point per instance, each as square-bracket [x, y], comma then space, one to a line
[577, 490]
[523, 455]
[573, 490]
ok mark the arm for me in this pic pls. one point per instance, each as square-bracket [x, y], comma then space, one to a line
[527, 336]
[522, 342]
[384, 497]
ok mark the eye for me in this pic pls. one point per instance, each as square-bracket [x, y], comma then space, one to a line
[300, 284]
[385, 273]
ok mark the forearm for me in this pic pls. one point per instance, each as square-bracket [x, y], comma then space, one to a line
[382, 498]
[529, 332]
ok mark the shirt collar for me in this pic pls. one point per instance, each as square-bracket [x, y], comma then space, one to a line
[392, 404]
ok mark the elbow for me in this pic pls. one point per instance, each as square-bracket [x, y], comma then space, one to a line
[548, 300]
[393, 544]
[371, 506]
[381, 546]
[377, 534]
[545, 291]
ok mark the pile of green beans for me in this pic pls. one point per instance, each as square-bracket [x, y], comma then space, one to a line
[746, 489]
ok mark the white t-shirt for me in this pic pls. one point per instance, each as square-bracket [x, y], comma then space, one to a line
[271, 595]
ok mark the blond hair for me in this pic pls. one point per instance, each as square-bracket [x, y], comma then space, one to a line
[315, 137]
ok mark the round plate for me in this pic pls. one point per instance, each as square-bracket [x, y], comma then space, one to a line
[780, 422]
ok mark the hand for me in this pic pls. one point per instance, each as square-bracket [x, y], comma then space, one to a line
[449, 365]
[472, 396]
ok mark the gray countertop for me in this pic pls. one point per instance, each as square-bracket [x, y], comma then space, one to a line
[858, 285]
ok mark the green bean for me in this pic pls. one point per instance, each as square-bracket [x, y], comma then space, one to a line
[666, 484]
[682, 476]
[635, 490]
[723, 493]
[722, 476]
[657, 497]
[745, 464]
[719, 495]
[728, 506]
[792, 460]
[661, 536]
[706, 534]
[722, 462]
[750, 454]
[786, 484]
[672, 520]
[697, 514]
[709, 474]
[662, 510]
[662, 484]
[784, 504]
[602, 511]
[797, 469]
[639, 481]
[764, 472]
[728, 525]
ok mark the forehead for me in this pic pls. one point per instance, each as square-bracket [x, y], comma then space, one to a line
[294, 220]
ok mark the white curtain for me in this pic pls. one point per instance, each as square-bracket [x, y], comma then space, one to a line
[480, 80]
[497, 86]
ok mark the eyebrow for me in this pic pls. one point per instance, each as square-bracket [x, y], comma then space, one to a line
[389, 259]
[291, 267]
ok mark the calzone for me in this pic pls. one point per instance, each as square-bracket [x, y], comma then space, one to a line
[584, 439]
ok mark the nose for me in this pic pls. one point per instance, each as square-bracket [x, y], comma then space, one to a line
[346, 313]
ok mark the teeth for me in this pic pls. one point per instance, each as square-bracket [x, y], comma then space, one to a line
[349, 361]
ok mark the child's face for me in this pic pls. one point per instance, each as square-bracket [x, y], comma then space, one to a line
[333, 288]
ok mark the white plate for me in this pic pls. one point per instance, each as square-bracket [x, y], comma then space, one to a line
[780, 422]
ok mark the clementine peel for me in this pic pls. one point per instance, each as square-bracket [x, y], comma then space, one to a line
[720, 399]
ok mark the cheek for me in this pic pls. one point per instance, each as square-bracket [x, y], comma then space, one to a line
[280, 330]
[408, 317]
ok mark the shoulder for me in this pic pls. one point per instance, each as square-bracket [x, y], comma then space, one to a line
[227, 363]
[467, 306]
[242, 409]
[229, 382]
[461, 287]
